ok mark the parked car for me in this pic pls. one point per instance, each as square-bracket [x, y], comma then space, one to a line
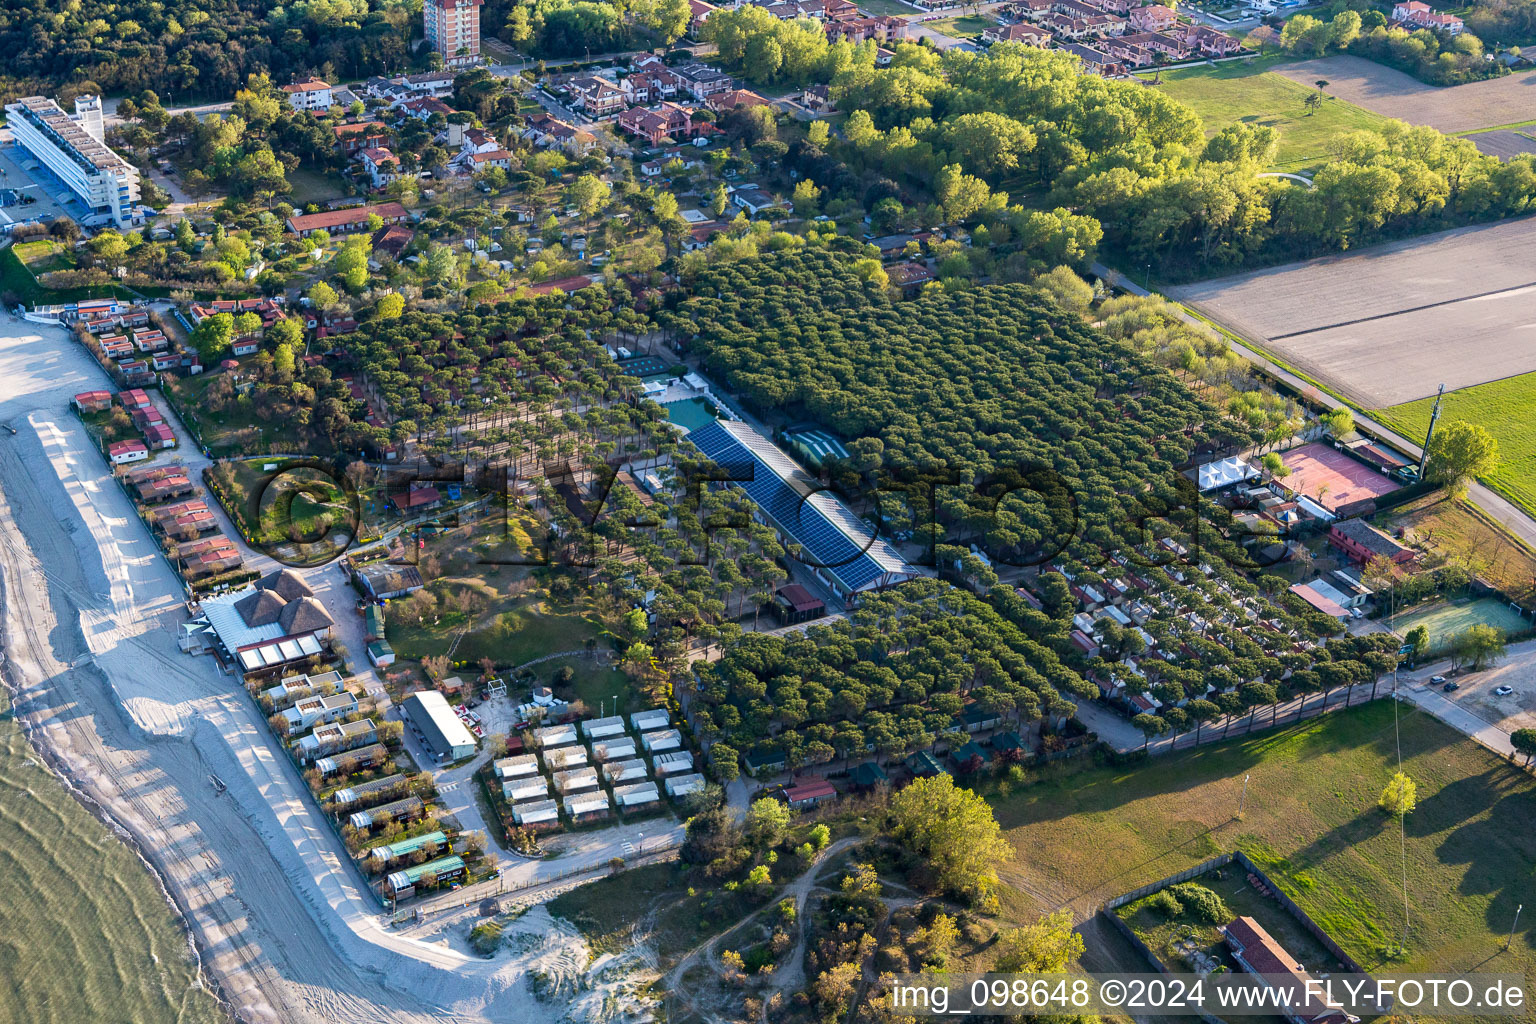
[1451, 687]
[1437, 679]
[1503, 691]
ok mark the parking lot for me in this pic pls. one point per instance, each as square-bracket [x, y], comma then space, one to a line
[1511, 711]
[13, 175]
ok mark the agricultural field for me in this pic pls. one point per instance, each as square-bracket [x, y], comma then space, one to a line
[1445, 619]
[1391, 93]
[1243, 93]
[1387, 325]
[1312, 824]
[1506, 408]
[1451, 530]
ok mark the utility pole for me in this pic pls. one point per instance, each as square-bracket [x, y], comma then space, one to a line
[1434, 418]
[1509, 941]
[1243, 800]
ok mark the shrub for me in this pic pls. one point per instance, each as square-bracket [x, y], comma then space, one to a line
[1165, 904]
[1200, 903]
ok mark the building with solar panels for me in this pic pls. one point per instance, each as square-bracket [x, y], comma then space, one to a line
[838, 546]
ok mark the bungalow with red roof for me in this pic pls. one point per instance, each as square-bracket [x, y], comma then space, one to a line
[93, 401]
[122, 452]
[353, 218]
[809, 794]
[158, 435]
[416, 499]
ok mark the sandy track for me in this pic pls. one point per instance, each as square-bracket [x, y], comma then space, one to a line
[91, 612]
[1390, 323]
[1383, 90]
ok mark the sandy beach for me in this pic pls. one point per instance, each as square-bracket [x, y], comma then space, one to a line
[91, 612]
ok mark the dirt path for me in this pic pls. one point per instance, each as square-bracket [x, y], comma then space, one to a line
[790, 975]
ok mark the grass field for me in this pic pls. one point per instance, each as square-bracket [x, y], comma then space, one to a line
[314, 187]
[508, 636]
[1506, 408]
[1311, 822]
[44, 255]
[1245, 94]
[16, 278]
[1445, 619]
[967, 26]
[1451, 530]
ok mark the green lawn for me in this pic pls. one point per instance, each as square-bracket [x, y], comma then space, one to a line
[596, 685]
[894, 8]
[1506, 408]
[44, 255]
[1245, 93]
[15, 278]
[1311, 822]
[314, 187]
[1445, 619]
[509, 637]
[966, 26]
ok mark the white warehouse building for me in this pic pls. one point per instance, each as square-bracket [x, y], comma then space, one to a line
[73, 150]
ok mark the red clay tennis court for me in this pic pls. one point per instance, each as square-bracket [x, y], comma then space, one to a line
[1314, 466]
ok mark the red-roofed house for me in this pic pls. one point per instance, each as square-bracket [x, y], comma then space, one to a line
[809, 794]
[310, 94]
[123, 452]
[416, 499]
[158, 435]
[354, 138]
[667, 120]
[1419, 14]
[380, 164]
[1257, 952]
[353, 218]
[1155, 18]
[93, 401]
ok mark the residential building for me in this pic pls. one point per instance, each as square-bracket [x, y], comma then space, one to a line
[443, 732]
[1029, 35]
[310, 94]
[646, 721]
[666, 120]
[452, 28]
[123, 452]
[485, 161]
[1417, 14]
[380, 165]
[598, 97]
[636, 795]
[662, 740]
[548, 132]
[537, 814]
[351, 219]
[72, 150]
[632, 770]
[1154, 18]
[1362, 542]
[360, 135]
[703, 81]
[698, 14]
[1094, 61]
[809, 794]
[93, 401]
[1257, 952]
[603, 728]
[326, 708]
[403, 883]
[405, 809]
[682, 785]
[337, 737]
[1210, 42]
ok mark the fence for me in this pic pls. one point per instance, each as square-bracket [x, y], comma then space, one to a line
[1241, 860]
[461, 898]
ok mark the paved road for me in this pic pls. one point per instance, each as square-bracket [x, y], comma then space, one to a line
[1499, 508]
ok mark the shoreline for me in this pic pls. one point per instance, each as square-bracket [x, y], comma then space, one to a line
[58, 767]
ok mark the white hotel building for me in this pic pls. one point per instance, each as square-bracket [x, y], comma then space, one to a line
[73, 150]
